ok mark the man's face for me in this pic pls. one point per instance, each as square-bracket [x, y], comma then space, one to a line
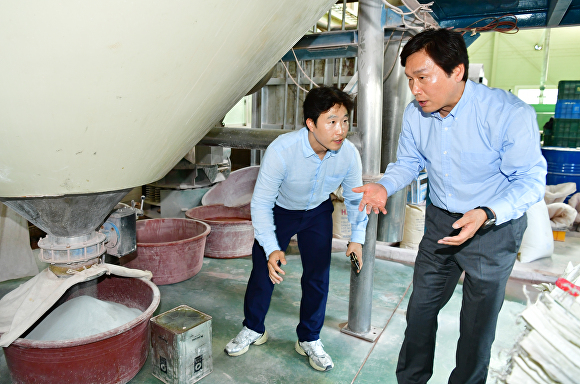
[329, 131]
[431, 86]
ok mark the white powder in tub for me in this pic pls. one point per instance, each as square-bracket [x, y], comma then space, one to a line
[81, 317]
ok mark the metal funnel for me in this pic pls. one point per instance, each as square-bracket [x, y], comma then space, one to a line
[68, 215]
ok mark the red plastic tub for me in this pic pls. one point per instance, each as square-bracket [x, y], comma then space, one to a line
[172, 249]
[115, 356]
[232, 234]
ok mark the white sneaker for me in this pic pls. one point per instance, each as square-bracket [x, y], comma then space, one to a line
[241, 343]
[318, 359]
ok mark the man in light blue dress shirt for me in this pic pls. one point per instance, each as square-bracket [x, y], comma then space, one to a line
[481, 148]
[292, 196]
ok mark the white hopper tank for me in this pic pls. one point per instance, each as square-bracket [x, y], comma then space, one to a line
[108, 95]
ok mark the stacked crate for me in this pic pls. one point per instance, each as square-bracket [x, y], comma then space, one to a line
[565, 131]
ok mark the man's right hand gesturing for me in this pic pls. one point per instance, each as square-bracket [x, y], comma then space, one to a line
[374, 197]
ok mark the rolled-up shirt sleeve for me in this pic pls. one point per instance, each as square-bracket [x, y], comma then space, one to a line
[358, 220]
[523, 166]
[271, 175]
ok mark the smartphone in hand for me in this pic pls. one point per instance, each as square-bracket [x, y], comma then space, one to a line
[354, 261]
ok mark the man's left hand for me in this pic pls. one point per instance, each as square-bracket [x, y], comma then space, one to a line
[469, 224]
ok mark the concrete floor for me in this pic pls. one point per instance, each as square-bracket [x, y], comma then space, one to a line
[219, 288]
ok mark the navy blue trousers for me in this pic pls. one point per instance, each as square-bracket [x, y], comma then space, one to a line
[487, 260]
[314, 232]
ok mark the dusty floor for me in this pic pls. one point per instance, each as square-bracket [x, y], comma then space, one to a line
[219, 288]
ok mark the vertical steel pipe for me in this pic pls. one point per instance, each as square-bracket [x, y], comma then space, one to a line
[297, 98]
[343, 22]
[311, 74]
[370, 99]
[257, 123]
[396, 95]
[544, 73]
[284, 112]
[355, 71]
[342, 27]
[328, 72]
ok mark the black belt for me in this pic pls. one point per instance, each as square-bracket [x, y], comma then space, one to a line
[452, 214]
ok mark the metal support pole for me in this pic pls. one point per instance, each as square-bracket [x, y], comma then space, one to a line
[285, 103]
[370, 99]
[256, 122]
[351, 119]
[297, 124]
[544, 74]
[396, 95]
[494, 59]
[342, 27]
[328, 72]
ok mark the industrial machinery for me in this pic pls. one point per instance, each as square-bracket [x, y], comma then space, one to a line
[100, 97]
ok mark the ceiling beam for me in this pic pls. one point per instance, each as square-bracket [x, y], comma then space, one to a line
[556, 12]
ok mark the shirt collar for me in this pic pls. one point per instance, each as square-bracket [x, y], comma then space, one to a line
[468, 91]
[307, 148]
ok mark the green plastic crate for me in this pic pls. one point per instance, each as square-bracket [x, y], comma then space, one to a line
[569, 90]
[566, 127]
[564, 133]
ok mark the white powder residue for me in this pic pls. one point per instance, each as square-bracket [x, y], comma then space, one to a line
[81, 317]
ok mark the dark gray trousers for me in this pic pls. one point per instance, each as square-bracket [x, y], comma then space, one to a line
[487, 260]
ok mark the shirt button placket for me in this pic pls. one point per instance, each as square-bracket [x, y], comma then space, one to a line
[446, 160]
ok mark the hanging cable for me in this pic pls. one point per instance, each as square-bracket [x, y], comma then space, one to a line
[496, 24]
[422, 8]
[302, 70]
[396, 57]
[299, 66]
[387, 43]
[291, 78]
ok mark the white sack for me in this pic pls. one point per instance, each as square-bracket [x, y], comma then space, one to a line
[538, 241]
[16, 258]
[557, 193]
[561, 215]
[414, 227]
[341, 228]
[574, 202]
[547, 351]
[20, 308]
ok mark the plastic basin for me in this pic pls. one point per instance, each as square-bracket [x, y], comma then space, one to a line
[172, 249]
[115, 356]
[232, 234]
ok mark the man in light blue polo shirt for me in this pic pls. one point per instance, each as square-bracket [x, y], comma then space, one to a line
[292, 196]
[481, 148]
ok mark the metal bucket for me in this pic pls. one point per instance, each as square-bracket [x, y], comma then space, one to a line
[232, 234]
[115, 356]
[172, 249]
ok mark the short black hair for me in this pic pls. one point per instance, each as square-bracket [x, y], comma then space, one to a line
[321, 99]
[446, 48]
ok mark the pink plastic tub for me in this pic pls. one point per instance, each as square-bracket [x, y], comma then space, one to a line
[115, 356]
[172, 249]
[232, 234]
